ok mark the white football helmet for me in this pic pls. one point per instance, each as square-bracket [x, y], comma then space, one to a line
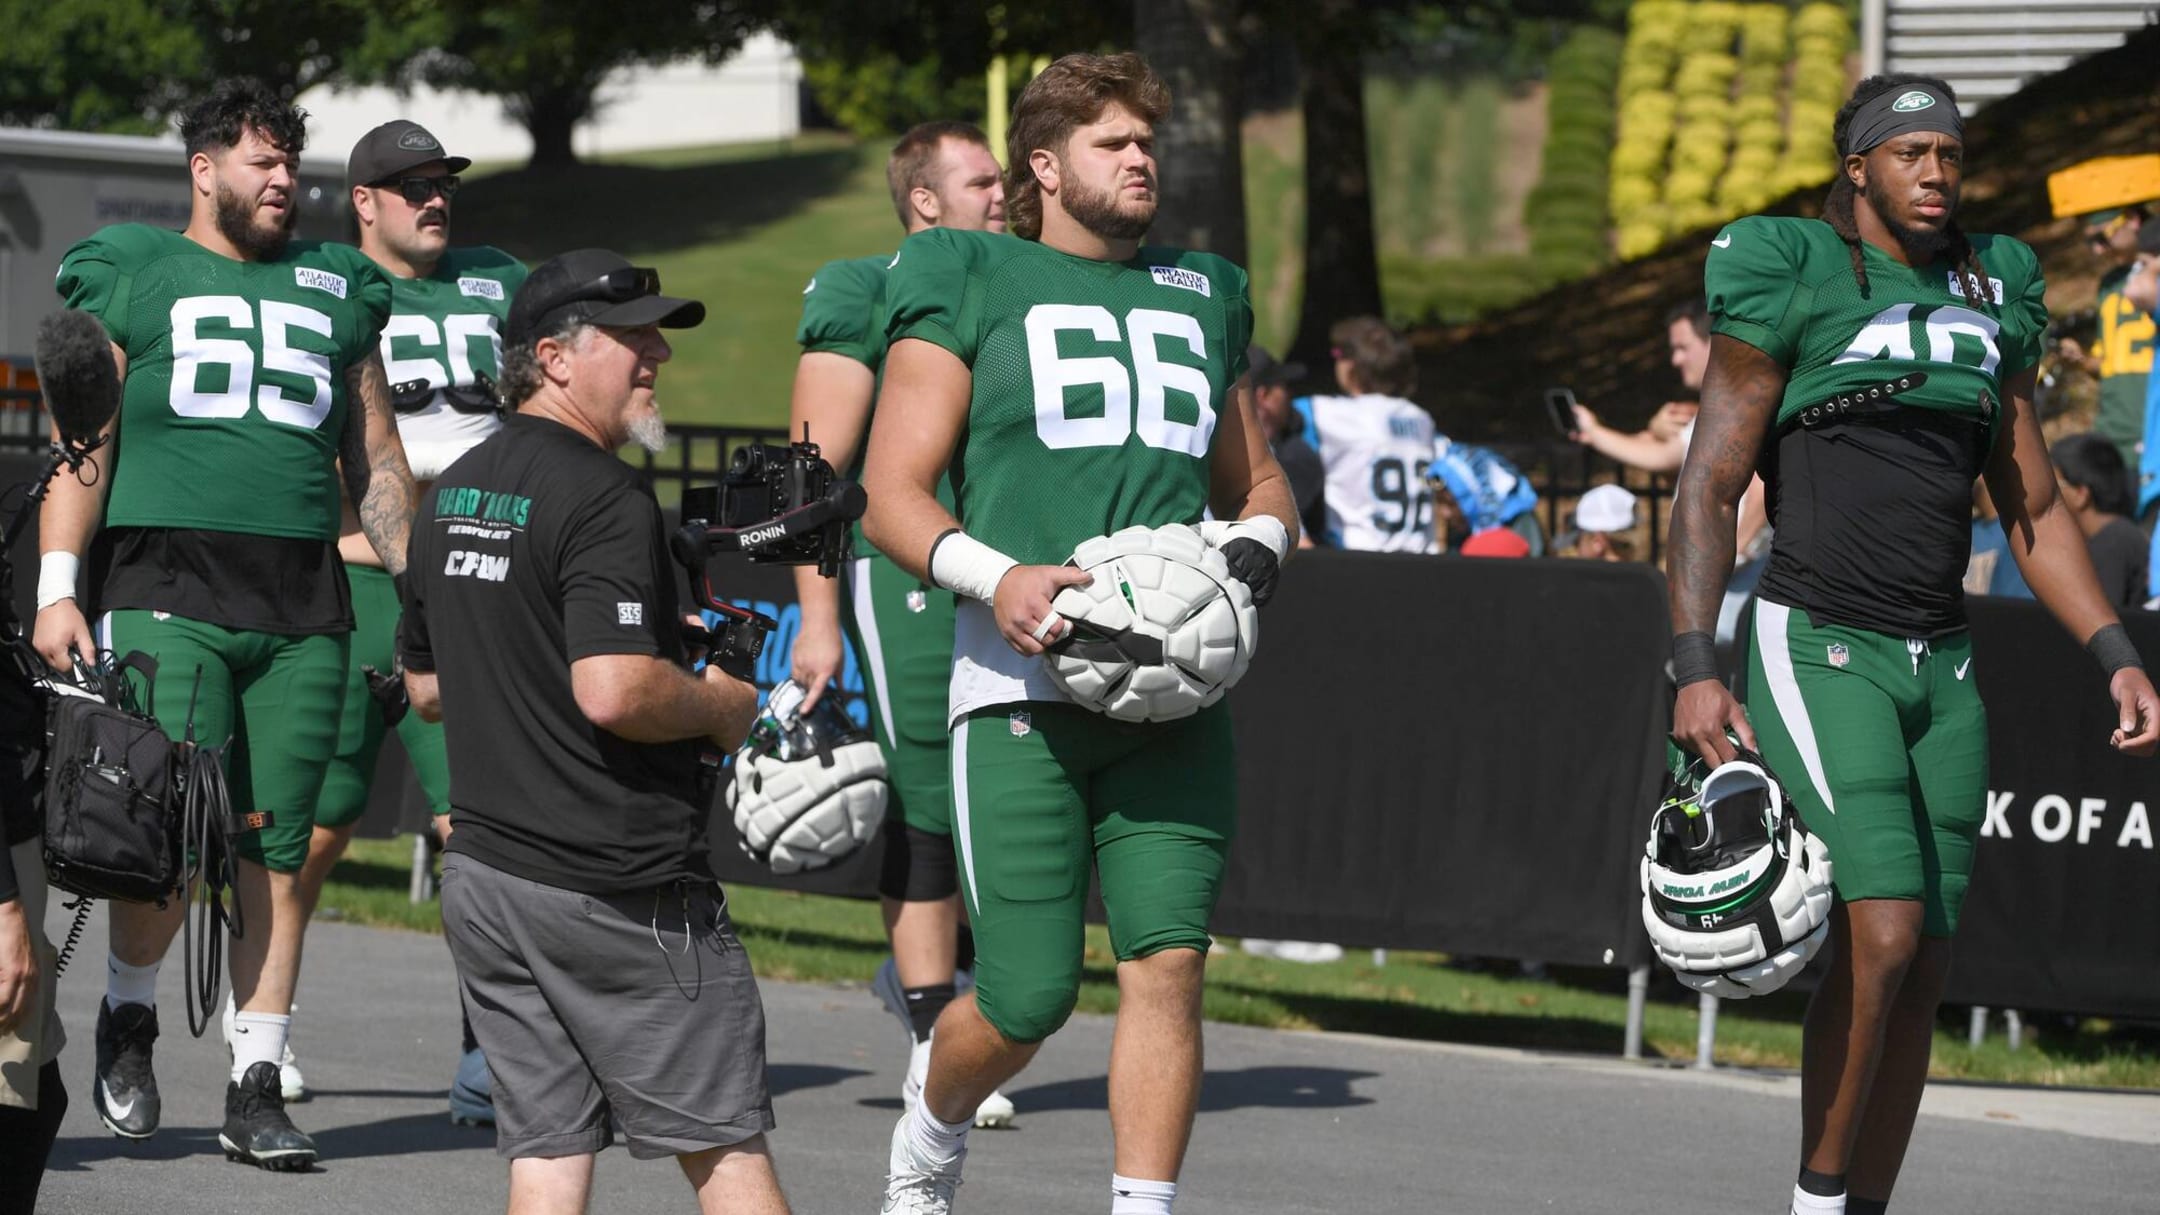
[806, 790]
[1736, 892]
[1163, 630]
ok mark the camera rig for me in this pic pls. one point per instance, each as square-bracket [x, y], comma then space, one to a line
[775, 505]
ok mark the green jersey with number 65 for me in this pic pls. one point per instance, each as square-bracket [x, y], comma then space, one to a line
[1873, 509]
[235, 396]
[1097, 385]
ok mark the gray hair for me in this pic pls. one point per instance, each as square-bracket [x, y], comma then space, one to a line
[521, 375]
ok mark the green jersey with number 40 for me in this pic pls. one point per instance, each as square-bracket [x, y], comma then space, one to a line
[235, 394]
[1097, 385]
[1872, 512]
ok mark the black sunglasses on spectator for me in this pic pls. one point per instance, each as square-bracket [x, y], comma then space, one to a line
[417, 190]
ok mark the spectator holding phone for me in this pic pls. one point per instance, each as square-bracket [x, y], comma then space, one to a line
[1662, 445]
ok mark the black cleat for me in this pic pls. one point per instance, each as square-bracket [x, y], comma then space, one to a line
[124, 1091]
[256, 1130]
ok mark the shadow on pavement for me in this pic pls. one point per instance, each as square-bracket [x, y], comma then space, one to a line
[783, 1078]
[69, 1155]
[1285, 1087]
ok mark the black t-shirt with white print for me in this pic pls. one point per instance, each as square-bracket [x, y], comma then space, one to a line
[534, 550]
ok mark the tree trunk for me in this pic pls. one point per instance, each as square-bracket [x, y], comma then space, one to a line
[549, 115]
[1193, 45]
[1342, 273]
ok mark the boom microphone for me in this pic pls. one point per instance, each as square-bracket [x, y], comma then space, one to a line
[75, 371]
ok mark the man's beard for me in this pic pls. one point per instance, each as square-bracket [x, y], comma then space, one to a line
[649, 431]
[1912, 239]
[236, 223]
[1098, 212]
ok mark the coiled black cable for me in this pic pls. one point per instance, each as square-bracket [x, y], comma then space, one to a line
[205, 808]
[81, 908]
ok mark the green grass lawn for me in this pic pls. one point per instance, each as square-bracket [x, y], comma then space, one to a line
[1415, 995]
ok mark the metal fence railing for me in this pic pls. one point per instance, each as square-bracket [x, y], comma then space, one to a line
[1563, 472]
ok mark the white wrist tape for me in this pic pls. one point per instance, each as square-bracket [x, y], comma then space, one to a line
[1267, 529]
[56, 578]
[966, 566]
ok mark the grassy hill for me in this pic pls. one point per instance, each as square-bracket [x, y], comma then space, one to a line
[1603, 334]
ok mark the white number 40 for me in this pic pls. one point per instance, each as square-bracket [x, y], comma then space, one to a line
[191, 352]
[1144, 328]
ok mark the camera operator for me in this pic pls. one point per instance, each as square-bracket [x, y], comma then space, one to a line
[32, 1098]
[593, 949]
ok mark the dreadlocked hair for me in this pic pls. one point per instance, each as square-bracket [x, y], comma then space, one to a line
[1837, 208]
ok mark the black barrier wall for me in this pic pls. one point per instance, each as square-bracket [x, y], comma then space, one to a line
[1457, 754]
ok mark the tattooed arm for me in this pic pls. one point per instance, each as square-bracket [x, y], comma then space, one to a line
[377, 478]
[1739, 402]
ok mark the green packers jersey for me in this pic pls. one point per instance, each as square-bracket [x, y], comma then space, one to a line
[1097, 385]
[843, 311]
[445, 334]
[1873, 512]
[235, 396]
[2125, 351]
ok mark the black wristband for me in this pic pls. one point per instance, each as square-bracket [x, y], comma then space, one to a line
[2112, 648]
[1694, 658]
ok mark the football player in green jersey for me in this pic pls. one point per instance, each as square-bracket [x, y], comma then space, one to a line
[1874, 363]
[250, 381]
[1073, 382]
[441, 349]
[941, 175]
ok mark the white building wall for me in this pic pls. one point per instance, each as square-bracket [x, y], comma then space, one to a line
[752, 96]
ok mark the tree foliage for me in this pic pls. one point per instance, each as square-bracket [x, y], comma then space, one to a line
[125, 66]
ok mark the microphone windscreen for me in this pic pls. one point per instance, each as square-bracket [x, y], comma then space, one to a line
[76, 373]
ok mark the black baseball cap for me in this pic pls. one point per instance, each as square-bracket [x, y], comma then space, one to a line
[394, 147]
[596, 287]
[1265, 368]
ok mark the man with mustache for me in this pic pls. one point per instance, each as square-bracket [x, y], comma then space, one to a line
[1073, 382]
[942, 175]
[441, 352]
[250, 381]
[1872, 364]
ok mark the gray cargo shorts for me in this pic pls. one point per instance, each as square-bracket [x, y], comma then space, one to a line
[638, 1005]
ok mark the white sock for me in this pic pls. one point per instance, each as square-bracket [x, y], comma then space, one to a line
[257, 1038]
[1804, 1203]
[125, 984]
[934, 1140]
[1132, 1196]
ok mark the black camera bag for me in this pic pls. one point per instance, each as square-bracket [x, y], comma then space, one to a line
[111, 831]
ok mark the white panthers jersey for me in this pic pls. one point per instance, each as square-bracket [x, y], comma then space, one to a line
[1375, 449]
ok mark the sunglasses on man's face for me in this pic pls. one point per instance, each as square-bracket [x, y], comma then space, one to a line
[417, 190]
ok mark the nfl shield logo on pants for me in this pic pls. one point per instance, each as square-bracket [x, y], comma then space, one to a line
[1839, 656]
[1021, 724]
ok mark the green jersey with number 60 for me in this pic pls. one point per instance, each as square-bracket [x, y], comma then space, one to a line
[1873, 511]
[235, 396]
[1097, 385]
[445, 332]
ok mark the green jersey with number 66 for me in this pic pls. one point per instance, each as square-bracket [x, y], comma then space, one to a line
[1872, 509]
[1097, 385]
[235, 398]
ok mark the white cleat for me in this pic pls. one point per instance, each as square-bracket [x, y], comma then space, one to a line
[291, 1084]
[915, 1186]
[996, 1110]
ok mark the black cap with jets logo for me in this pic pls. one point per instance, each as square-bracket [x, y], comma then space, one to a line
[394, 147]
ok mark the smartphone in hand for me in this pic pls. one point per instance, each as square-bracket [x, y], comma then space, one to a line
[1560, 407]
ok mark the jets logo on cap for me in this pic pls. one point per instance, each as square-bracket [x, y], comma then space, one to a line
[1915, 100]
[421, 141]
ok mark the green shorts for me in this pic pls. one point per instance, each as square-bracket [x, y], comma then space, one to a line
[1045, 793]
[1881, 742]
[276, 697]
[360, 725]
[902, 630]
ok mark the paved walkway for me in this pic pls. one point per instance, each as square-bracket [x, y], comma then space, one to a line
[1289, 1122]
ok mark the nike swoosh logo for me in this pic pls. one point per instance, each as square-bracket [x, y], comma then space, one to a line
[1721, 242]
[118, 1111]
[1961, 668]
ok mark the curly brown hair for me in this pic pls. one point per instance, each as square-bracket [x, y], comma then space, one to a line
[1069, 94]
